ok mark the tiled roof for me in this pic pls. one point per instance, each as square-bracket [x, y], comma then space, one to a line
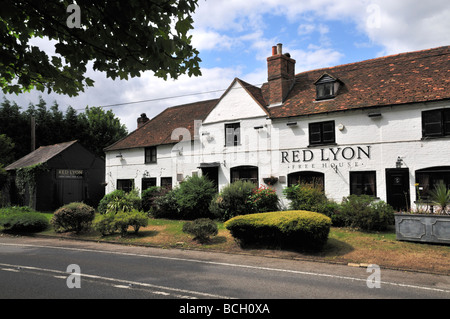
[41, 155]
[158, 130]
[419, 76]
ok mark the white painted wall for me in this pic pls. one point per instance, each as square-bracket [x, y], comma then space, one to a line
[398, 132]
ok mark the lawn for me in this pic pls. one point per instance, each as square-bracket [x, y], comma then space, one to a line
[345, 245]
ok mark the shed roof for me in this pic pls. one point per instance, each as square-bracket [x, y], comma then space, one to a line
[41, 155]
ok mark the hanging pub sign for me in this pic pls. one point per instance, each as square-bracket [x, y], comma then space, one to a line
[69, 173]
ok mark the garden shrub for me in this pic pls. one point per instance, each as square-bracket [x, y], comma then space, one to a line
[233, 200]
[104, 223]
[103, 204]
[73, 217]
[202, 229]
[194, 196]
[189, 200]
[293, 229]
[149, 196]
[111, 222]
[363, 211]
[264, 199]
[166, 206]
[22, 219]
[119, 200]
[305, 196]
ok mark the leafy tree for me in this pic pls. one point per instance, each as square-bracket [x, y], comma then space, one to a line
[6, 149]
[100, 129]
[121, 38]
[16, 125]
[95, 128]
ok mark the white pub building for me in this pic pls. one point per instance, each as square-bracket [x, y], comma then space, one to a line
[379, 127]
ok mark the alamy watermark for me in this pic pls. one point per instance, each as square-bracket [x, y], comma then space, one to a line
[74, 19]
[374, 279]
[74, 279]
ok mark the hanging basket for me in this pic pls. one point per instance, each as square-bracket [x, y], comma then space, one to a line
[270, 180]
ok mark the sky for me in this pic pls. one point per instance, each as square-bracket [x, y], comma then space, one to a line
[235, 37]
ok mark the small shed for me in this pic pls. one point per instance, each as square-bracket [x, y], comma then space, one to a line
[55, 175]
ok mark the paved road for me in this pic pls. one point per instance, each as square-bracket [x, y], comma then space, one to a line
[38, 268]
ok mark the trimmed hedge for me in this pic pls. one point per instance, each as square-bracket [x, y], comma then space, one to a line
[109, 223]
[202, 229]
[22, 219]
[75, 217]
[291, 229]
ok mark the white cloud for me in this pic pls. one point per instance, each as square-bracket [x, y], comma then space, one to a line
[252, 26]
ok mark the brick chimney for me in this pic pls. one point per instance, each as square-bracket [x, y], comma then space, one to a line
[281, 75]
[142, 120]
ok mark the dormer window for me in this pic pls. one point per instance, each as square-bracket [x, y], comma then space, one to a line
[326, 87]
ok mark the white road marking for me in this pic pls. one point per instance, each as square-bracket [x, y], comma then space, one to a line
[125, 283]
[231, 265]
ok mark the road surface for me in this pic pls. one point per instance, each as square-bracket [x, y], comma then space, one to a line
[59, 269]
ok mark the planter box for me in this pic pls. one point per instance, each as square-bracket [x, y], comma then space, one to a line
[423, 228]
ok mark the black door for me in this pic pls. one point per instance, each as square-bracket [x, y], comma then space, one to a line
[397, 185]
[212, 173]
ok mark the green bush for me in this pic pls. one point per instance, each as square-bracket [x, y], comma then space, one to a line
[363, 211]
[233, 200]
[189, 200]
[73, 217]
[111, 222]
[293, 229]
[264, 199]
[166, 206]
[305, 196]
[22, 219]
[149, 197]
[103, 204]
[104, 223]
[202, 229]
[119, 200]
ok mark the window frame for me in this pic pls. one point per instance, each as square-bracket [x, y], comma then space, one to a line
[443, 123]
[321, 141]
[364, 183]
[246, 173]
[166, 182]
[151, 155]
[235, 136]
[125, 188]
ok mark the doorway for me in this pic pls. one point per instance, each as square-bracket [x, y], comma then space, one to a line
[71, 190]
[212, 173]
[397, 186]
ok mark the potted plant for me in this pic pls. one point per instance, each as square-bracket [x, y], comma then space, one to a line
[430, 221]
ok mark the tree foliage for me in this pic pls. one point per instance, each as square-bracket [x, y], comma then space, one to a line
[120, 38]
[95, 128]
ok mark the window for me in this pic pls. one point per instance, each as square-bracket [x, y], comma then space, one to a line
[321, 133]
[436, 123]
[166, 182]
[244, 173]
[150, 154]
[315, 179]
[125, 184]
[326, 87]
[232, 134]
[427, 179]
[363, 183]
[148, 182]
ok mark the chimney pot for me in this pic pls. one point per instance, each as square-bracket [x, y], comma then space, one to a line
[279, 48]
[274, 50]
[142, 120]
